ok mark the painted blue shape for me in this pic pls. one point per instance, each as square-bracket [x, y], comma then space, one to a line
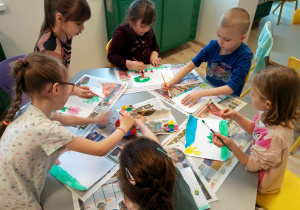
[190, 131]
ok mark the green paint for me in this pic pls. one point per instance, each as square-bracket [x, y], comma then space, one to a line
[128, 109]
[64, 109]
[143, 80]
[91, 100]
[171, 126]
[204, 207]
[66, 178]
[224, 131]
[210, 137]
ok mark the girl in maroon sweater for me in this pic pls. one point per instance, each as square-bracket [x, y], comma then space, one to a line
[135, 39]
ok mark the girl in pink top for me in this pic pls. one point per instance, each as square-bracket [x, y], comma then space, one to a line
[275, 92]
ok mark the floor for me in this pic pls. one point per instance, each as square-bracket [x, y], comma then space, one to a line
[184, 53]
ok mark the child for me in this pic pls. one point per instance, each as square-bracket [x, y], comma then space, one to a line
[228, 58]
[63, 20]
[32, 142]
[275, 92]
[135, 39]
[148, 177]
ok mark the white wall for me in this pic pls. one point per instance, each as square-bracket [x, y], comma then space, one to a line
[211, 11]
[21, 21]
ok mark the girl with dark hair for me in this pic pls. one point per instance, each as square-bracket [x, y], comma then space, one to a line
[135, 39]
[31, 143]
[63, 20]
[148, 177]
[275, 92]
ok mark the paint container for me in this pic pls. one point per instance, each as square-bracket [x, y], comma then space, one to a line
[131, 132]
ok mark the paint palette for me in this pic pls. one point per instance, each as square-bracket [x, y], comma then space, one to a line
[171, 126]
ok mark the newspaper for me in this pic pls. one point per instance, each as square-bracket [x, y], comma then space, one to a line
[123, 75]
[215, 172]
[157, 116]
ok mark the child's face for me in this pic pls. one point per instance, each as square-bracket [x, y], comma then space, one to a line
[139, 28]
[229, 39]
[259, 103]
[73, 28]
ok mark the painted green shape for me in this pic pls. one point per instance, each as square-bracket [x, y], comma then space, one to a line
[145, 70]
[204, 207]
[91, 100]
[128, 109]
[143, 80]
[224, 131]
[64, 109]
[210, 137]
[171, 126]
[66, 178]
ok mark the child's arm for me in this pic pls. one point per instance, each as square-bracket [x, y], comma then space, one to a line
[145, 130]
[194, 97]
[246, 124]
[240, 155]
[68, 120]
[87, 146]
[184, 71]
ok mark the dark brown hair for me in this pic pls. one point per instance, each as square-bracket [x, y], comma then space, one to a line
[72, 10]
[153, 172]
[141, 9]
[39, 69]
[281, 86]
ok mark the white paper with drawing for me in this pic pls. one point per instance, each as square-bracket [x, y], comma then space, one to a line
[152, 77]
[177, 99]
[200, 144]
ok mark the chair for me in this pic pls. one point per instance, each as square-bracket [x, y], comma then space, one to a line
[296, 17]
[265, 43]
[107, 49]
[294, 63]
[286, 198]
[7, 84]
[281, 4]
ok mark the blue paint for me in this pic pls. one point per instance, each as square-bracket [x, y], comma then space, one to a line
[190, 131]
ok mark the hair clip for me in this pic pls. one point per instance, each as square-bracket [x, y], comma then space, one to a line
[163, 151]
[25, 63]
[130, 178]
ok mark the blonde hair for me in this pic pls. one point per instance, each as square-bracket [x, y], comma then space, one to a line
[31, 75]
[281, 86]
[237, 18]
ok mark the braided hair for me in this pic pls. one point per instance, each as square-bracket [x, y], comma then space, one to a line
[153, 172]
[31, 75]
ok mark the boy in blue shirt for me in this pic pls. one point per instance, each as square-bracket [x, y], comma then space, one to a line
[228, 58]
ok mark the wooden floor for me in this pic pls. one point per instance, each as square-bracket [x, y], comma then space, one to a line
[184, 53]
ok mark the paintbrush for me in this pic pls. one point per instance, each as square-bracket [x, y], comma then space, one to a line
[166, 85]
[217, 136]
[141, 115]
[141, 63]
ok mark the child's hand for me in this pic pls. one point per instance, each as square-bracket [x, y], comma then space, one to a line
[83, 92]
[228, 113]
[126, 121]
[137, 66]
[140, 121]
[154, 60]
[218, 143]
[192, 98]
[168, 87]
[103, 119]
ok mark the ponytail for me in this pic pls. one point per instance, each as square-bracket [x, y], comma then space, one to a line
[18, 75]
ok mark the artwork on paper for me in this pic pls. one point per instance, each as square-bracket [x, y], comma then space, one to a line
[151, 76]
[199, 138]
[107, 93]
[177, 99]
